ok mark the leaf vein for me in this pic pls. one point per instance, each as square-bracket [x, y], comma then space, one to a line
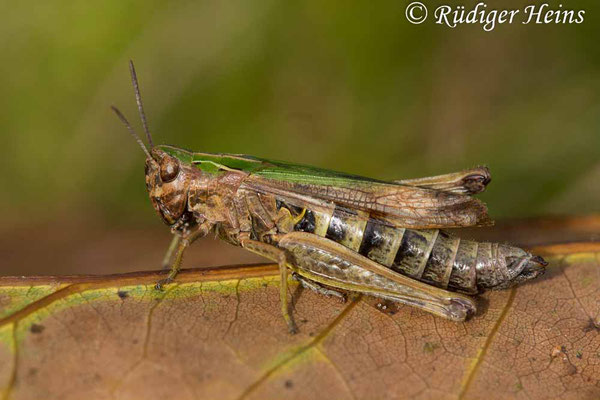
[488, 342]
[303, 349]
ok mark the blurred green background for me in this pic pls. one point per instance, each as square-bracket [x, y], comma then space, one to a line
[350, 86]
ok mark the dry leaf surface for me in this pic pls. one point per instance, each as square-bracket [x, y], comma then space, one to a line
[219, 334]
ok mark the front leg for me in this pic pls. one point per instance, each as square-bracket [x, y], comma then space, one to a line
[169, 254]
[185, 240]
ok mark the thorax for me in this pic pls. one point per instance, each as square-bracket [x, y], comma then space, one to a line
[212, 199]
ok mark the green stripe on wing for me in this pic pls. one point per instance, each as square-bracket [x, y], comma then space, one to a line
[270, 169]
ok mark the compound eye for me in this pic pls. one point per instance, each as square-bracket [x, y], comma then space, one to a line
[169, 169]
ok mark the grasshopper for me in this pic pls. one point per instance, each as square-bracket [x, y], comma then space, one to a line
[335, 232]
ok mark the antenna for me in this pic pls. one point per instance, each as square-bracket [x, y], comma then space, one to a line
[130, 129]
[138, 99]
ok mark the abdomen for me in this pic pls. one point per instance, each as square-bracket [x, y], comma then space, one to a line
[432, 256]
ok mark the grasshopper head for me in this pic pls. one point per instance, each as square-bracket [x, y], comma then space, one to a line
[167, 180]
[168, 184]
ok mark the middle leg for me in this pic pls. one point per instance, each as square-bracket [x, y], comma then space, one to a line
[273, 253]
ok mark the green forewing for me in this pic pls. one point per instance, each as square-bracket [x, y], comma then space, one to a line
[271, 169]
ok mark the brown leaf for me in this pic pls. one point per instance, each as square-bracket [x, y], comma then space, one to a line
[218, 334]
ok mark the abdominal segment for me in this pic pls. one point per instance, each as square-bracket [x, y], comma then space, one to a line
[429, 255]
